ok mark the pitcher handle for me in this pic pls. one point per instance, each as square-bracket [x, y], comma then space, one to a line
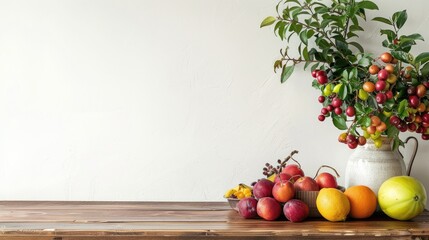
[413, 156]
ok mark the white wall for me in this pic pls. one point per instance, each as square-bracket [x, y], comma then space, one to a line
[155, 100]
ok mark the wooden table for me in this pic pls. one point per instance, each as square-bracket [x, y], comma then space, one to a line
[22, 220]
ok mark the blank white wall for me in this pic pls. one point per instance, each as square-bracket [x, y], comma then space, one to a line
[156, 100]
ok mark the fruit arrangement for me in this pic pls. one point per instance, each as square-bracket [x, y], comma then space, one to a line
[287, 192]
[365, 96]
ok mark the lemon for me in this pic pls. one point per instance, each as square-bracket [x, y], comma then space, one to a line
[333, 204]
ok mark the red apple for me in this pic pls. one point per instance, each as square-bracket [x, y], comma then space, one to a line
[263, 188]
[294, 170]
[282, 177]
[296, 210]
[247, 207]
[306, 184]
[414, 101]
[383, 74]
[326, 180]
[268, 208]
[283, 191]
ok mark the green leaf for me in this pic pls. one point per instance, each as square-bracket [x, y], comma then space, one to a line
[268, 21]
[364, 121]
[399, 18]
[414, 36]
[422, 58]
[383, 20]
[367, 5]
[401, 56]
[353, 73]
[342, 93]
[425, 69]
[358, 46]
[345, 75]
[390, 34]
[339, 122]
[364, 62]
[286, 72]
[403, 109]
[303, 37]
[305, 54]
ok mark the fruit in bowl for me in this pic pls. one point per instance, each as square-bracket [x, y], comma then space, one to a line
[234, 195]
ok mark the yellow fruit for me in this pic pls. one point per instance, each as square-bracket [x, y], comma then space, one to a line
[247, 192]
[402, 197]
[327, 90]
[229, 193]
[378, 143]
[239, 195]
[337, 88]
[333, 204]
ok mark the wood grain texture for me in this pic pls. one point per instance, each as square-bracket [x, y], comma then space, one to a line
[47, 220]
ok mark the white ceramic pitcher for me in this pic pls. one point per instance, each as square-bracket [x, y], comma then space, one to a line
[371, 166]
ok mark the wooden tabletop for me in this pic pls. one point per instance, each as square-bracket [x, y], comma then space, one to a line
[47, 220]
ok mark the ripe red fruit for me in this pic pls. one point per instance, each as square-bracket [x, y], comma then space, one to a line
[282, 177]
[380, 98]
[394, 120]
[412, 127]
[426, 84]
[263, 188]
[283, 191]
[380, 85]
[351, 138]
[268, 208]
[306, 184]
[314, 73]
[350, 111]
[337, 102]
[425, 136]
[321, 99]
[389, 94]
[247, 207]
[296, 210]
[411, 90]
[338, 110]
[330, 108]
[352, 145]
[294, 170]
[425, 117]
[361, 140]
[414, 101]
[322, 79]
[321, 73]
[326, 180]
[324, 111]
[321, 118]
[382, 75]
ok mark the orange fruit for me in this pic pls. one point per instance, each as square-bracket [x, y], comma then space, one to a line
[373, 69]
[363, 201]
[375, 121]
[390, 68]
[386, 57]
[333, 204]
[368, 87]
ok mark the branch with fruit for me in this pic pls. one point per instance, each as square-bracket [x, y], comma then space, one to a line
[365, 97]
